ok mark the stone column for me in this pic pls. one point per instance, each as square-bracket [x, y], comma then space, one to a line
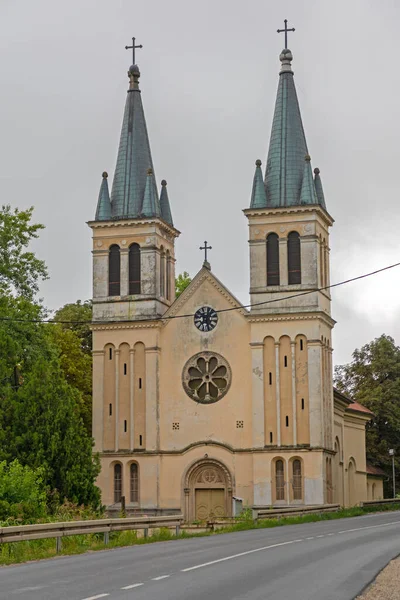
[152, 399]
[309, 260]
[315, 393]
[149, 276]
[283, 261]
[258, 264]
[132, 396]
[258, 418]
[98, 399]
[294, 403]
[116, 352]
[278, 394]
[124, 252]
[100, 273]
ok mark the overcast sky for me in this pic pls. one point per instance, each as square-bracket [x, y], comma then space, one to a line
[209, 78]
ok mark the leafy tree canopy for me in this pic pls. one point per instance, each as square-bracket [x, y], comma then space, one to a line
[20, 270]
[373, 379]
[22, 491]
[181, 283]
[77, 317]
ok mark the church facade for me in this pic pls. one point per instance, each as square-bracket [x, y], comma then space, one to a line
[198, 400]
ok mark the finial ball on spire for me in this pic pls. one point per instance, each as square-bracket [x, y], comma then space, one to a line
[317, 171]
[104, 174]
[307, 158]
[286, 55]
[150, 171]
[163, 183]
[258, 162]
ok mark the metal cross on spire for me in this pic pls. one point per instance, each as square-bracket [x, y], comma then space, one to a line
[133, 49]
[286, 32]
[205, 248]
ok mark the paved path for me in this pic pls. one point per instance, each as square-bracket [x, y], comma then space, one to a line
[331, 560]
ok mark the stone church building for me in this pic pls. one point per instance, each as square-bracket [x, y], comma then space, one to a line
[198, 400]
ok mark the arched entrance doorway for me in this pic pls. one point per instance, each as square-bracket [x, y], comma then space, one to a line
[208, 491]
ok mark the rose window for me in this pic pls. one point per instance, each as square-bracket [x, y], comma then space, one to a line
[206, 377]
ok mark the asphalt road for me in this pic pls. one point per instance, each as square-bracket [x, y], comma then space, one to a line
[331, 560]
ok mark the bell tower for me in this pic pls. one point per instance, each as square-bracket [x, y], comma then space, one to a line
[133, 231]
[291, 323]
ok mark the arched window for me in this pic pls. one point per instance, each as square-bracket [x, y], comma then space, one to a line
[168, 259]
[280, 480]
[134, 269]
[114, 271]
[134, 475]
[294, 258]
[272, 259]
[162, 273]
[297, 480]
[117, 482]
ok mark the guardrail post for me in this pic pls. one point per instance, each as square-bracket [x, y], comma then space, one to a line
[145, 532]
[177, 530]
[106, 538]
[58, 545]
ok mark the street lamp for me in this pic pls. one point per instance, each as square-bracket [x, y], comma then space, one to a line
[391, 453]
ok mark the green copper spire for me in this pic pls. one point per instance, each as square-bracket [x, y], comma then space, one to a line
[319, 189]
[164, 204]
[258, 195]
[151, 205]
[134, 156]
[308, 193]
[103, 211]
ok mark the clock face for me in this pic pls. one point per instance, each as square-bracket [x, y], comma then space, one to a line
[205, 318]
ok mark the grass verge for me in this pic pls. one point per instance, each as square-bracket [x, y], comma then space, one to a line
[18, 552]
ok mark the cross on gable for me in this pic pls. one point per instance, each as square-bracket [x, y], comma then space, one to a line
[205, 248]
[133, 49]
[285, 31]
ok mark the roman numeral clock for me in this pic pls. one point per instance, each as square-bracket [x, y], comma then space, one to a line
[205, 319]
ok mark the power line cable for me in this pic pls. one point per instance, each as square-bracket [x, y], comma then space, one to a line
[222, 310]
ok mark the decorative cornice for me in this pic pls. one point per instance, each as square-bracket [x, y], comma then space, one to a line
[254, 318]
[279, 211]
[125, 325]
[123, 223]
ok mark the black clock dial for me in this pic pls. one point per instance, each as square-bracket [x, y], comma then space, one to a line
[205, 318]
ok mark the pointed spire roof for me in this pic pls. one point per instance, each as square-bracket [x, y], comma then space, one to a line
[134, 155]
[318, 188]
[103, 211]
[258, 195]
[151, 205]
[308, 194]
[164, 204]
[288, 182]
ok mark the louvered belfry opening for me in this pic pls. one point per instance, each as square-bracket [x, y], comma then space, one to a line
[272, 259]
[114, 271]
[134, 269]
[294, 258]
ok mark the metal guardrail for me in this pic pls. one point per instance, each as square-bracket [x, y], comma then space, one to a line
[293, 511]
[39, 531]
[380, 502]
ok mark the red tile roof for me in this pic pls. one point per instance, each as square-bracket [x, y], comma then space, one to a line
[371, 470]
[355, 406]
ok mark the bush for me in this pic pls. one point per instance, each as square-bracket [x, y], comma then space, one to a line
[22, 492]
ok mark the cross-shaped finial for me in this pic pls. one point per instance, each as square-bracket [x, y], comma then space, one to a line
[286, 32]
[205, 248]
[133, 49]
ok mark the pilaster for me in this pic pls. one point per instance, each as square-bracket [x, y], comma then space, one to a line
[257, 360]
[152, 399]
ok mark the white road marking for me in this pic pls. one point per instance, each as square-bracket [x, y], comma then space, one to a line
[160, 577]
[213, 562]
[130, 587]
[96, 597]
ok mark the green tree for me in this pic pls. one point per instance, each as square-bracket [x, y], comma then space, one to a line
[181, 283]
[77, 317]
[20, 270]
[373, 379]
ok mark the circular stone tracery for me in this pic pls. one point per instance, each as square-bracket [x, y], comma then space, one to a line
[206, 377]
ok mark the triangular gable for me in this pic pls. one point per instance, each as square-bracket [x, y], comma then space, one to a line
[203, 275]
